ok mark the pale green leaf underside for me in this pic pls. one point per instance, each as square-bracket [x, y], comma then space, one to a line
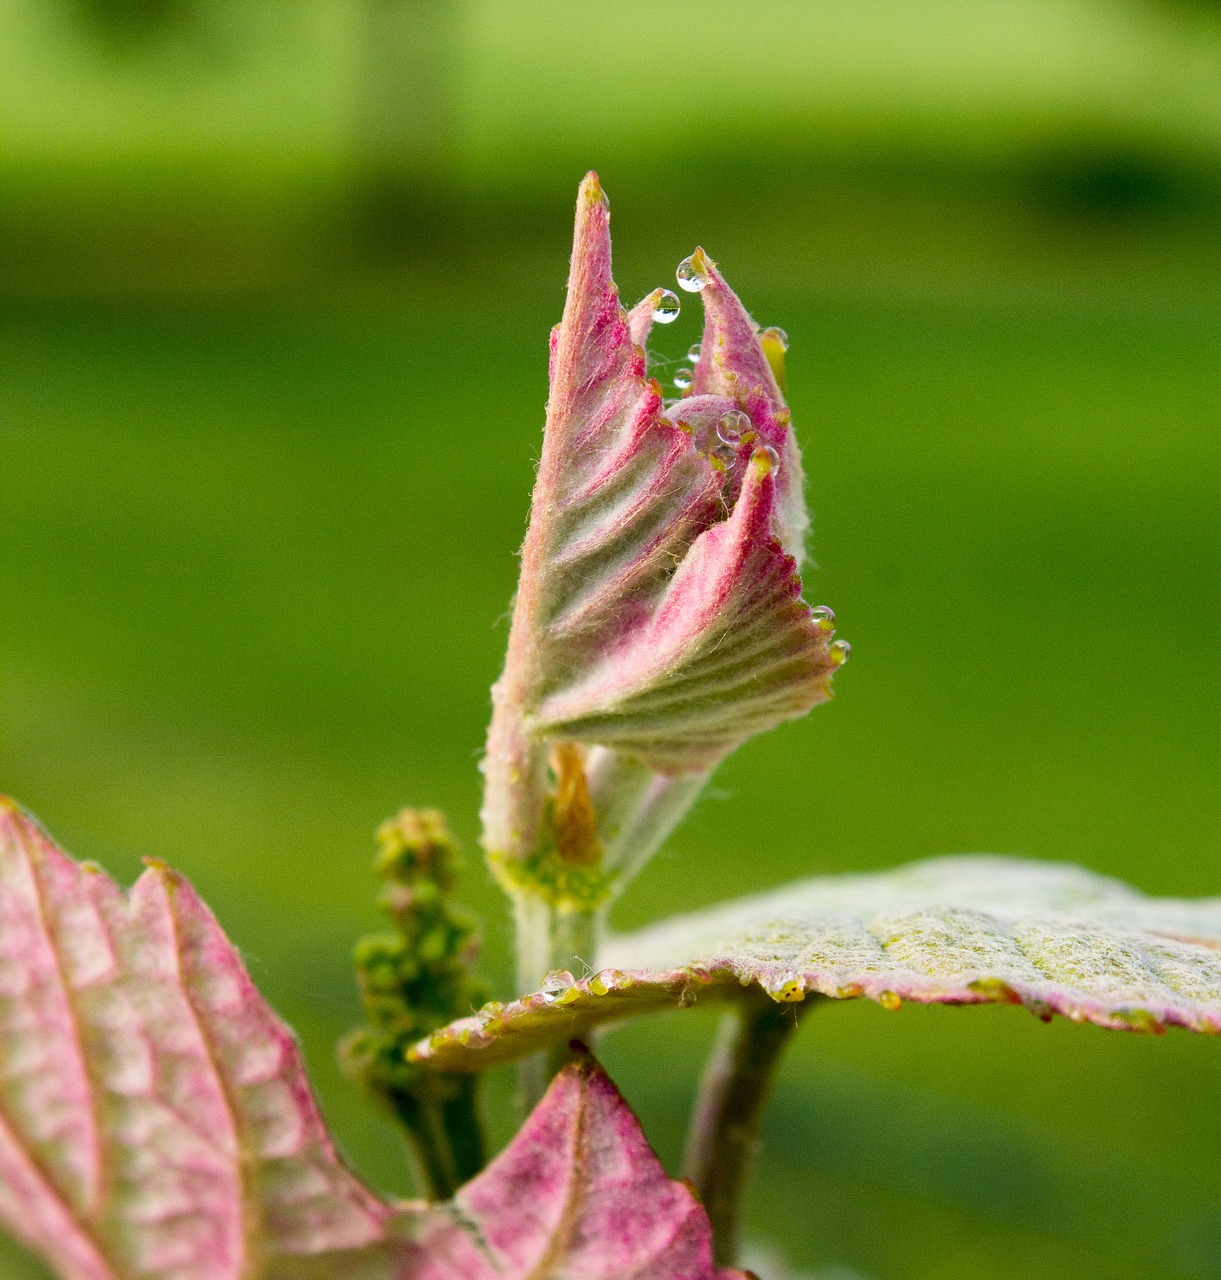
[955, 930]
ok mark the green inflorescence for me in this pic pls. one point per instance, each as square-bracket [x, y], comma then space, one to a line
[413, 981]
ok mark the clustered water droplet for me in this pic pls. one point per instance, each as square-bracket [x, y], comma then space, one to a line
[777, 336]
[732, 425]
[683, 378]
[688, 277]
[603, 981]
[555, 985]
[666, 307]
[773, 457]
[824, 617]
[726, 456]
[693, 351]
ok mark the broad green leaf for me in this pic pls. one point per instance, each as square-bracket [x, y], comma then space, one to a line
[961, 930]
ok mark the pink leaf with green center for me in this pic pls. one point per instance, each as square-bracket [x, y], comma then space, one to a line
[577, 1195]
[659, 608]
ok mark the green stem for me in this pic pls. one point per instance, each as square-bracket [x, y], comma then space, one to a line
[551, 936]
[729, 1111]
[445, 1134]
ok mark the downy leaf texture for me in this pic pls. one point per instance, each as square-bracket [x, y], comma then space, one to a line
[956, 930]
[659, 609]
[577, 1195]
[155, 1118]
[156, 1122]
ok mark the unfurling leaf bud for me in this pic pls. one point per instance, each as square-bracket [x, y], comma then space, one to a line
[658, 622]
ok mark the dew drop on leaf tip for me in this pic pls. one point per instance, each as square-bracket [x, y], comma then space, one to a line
[776, 335]
[683, 378]
[824, 617]
[840, 651]
[666, 306]
[688, 277]
[732, 425]
[773, 458]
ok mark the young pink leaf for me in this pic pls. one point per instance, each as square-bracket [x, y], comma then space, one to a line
[156, 1122]
[155, 1117]
[577, 1195]
[729, 649]
[659, 608]
[962, 930]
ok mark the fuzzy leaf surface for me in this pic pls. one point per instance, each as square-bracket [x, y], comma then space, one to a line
[659, 610]
[155, 1118]
[156, 1122]
[958, 930]
[577, 1195]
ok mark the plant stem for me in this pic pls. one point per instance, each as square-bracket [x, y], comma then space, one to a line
[729, 1110]
[551, 936]
[446, 1135]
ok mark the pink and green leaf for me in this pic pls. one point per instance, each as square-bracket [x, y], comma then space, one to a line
[659, 608]
[962, 930]
[577, 1195]
[156, 1122]
[155, 1118]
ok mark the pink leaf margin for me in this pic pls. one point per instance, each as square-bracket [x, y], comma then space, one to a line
[960, 930]
[578, 1195]
[156, 1121]
[155, 1116]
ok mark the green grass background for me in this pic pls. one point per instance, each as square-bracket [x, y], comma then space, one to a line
[259, 534]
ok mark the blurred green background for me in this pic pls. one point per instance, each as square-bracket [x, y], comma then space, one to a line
[275, 284]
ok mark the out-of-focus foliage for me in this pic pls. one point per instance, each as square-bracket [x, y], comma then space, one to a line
[266, 446]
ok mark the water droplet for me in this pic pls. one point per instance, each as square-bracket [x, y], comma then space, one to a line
[889, 1000]
[666, 307]
[840, 651]
[603, 981]
[788, 988]
[773, 458]
[683, 378]
[1139, 1020]
[777, 336]
[688, 277]
[996, 989]
[492, 1009]
[686, 998]
[693, 351]
[732, 425]
[726, 456]
[824, 618]
[556, 985]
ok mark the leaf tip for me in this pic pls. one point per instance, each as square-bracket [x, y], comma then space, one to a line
[591, 191]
